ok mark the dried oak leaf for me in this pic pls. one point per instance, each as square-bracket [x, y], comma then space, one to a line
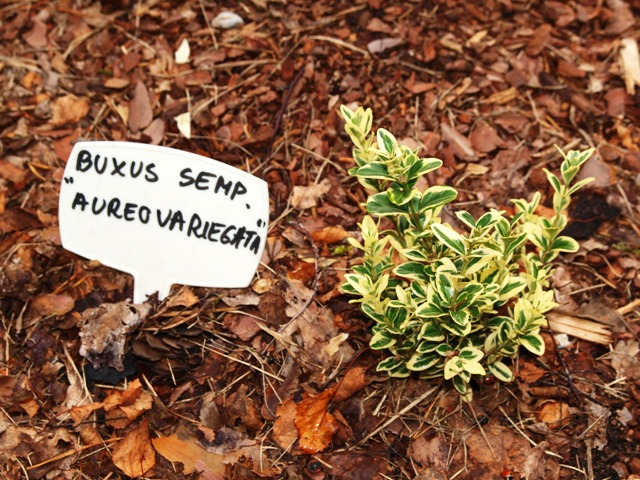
[303, 198]
[315, 424]
[50, 304]
[460, 144]
[140, 113]
[134, 454]
[184, 449]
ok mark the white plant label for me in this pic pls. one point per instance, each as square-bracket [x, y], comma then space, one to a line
[163, 215]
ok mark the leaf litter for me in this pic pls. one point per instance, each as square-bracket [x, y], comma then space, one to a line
[276, 381]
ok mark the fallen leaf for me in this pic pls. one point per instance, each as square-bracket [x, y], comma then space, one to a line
[227, 20]
[315, 424]
[382, 44]
[68, 109]
[116, 83]
[460, 144]
[625, 360]
[303, 198]
[330, 235]
[555, 414]
[284, 429]
[134, 454]
[185, 449]
[244, 326]
[183, 121]
[37, 36]
[621, 17]
[140, 113]
[484, 138]
[630, 64]
[51, 304]
[353, 381]
[183, 52]
[357, 465]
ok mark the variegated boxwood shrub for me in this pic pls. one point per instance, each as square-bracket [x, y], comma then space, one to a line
[449, 303]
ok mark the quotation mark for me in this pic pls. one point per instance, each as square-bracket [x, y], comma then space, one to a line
[261, 223]
[68, 179]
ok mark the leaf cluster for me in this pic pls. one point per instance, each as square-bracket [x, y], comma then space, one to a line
[449, 303]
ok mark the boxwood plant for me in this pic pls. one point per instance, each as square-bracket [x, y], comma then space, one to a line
[448, 301]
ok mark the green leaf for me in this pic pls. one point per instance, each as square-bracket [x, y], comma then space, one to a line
[370, 312]
[449, 237]
[474, 368]
[565, 244]
[381, 340]
[457, 329]
[431, 332]
[461, 317]
[471, 354]
[419, 362]
[501, 371]
[430, 310]
[389, 363]
[453, 367]
[399, 195]
[386, 141]
[466, 218]
[426, 347]
[422, 166]
[412, 270]
[437, 196]
[533, 343]
[513, 243]
[511, 287]
[379, 204]
[462, 387]
[553, 180]
[377, 170]
[578, 185]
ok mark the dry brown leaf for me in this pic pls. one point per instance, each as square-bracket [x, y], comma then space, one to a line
[185, 449]
[315, 424]
[382, 44]
[284, 428]
[354, 380]
[51, 304]
[303, 198]
[68, 109]
[244, 326]
[140, 113]
[329, 235]
[37, 36]
[460, 144]
[484, 138]
[554, 414]
[621, 17]
[134, 454]
[123, 415]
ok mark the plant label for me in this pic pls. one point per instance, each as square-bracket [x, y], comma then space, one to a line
[163, 215]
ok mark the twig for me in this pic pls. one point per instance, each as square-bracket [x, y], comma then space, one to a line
[340, 43]
[277, 122]
[397, 415]
[73, 451]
